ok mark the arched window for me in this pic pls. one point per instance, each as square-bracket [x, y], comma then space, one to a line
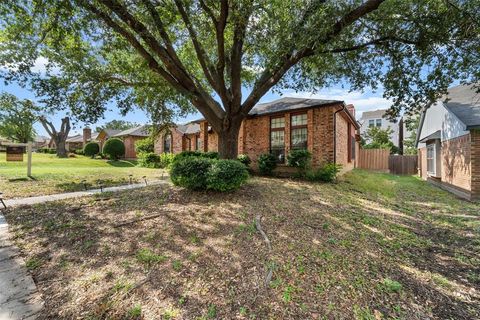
[167, 143]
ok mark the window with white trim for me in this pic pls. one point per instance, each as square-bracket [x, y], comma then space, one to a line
[431, 159]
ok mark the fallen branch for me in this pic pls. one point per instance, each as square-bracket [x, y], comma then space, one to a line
[258, 226]
[122, 224]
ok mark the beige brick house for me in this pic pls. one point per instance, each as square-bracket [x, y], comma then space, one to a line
[327, 128]
[448, 142]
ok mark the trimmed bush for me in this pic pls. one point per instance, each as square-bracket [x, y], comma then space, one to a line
[79, 152]
[166, 160]
[91, 149]
[327, 173]
[144, 146]
[226, 175]
[149, 160]
[207, 155]
[299, 159]
[114, 148]
[190, 172]
[267, 163]
[245, 159]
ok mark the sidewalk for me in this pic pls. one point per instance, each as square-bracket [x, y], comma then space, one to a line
[19, 298]
[77, 194]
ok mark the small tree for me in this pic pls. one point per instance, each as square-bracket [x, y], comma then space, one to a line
[114, 148]
[145, 145]
[91, 149]
[409, 144]
[379, 139]
[59, 137]
[17, 118]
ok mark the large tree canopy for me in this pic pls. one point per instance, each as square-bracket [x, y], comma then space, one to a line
[17, 118]
[221, 56]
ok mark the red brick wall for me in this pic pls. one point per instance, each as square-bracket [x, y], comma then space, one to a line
[254, 137]
[343, 146]
[455, 161]
[129, 142]
[475, 164]
[422, 163]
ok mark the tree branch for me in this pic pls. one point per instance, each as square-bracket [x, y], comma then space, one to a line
[199, 50]
[269, 78]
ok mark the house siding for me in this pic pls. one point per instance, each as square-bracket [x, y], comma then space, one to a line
[254, 136]
[455, 160]
[129, 142]
[475, 164]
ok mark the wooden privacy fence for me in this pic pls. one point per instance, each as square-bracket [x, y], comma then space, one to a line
[373, 159]
[381, 160]
[403, 164]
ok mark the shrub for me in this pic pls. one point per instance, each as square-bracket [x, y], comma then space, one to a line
[149, 160]
[166, 160]
[327, 173]
[79, 152]
[190, 172]
[207, 155]
[245, 159]
[267, 163]
[91, 149]
[226, 175]
[102, 155]
[114, 148]
[299, 159]
[145, 145]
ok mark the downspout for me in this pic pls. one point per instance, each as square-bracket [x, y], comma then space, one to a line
[335, 132]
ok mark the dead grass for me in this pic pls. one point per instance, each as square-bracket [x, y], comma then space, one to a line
[372, 246]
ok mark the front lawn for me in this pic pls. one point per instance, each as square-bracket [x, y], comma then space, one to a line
[373, 246]
[55, 175]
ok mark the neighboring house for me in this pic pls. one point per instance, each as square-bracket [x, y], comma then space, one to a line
[40, 142]
[181, 137]
[74, 143]
[377, 118]
[448, 141]
[130, 136]
[104, 135]
[327, 128]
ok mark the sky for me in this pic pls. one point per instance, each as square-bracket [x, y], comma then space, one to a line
[363, 101]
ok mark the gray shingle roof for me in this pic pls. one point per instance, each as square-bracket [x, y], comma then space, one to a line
[433, 136]
[111, 132]
[464, 102]
[75, 138]
[287, 104]
[373, 114]
[189, 128]
[140, 131]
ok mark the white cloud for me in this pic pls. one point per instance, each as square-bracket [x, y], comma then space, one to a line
[363, 101]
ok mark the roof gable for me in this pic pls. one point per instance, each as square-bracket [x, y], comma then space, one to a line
[464, 102]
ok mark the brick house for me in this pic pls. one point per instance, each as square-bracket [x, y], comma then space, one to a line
[327, 128]
[103, 135]
[181, 137]
[130, 136]
[448, 142]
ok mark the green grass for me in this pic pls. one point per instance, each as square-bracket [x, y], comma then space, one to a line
[54, 175]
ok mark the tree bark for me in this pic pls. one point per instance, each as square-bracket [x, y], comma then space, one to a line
[61, 149]
[228, 140]
[60, 137]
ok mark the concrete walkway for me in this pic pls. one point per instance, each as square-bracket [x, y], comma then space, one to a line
[19, 298]
[77, 194]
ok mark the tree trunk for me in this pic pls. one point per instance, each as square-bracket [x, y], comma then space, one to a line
[61, 150]
[228, 141]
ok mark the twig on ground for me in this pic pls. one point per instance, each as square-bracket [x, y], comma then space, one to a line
[268, 276]
[122, 224]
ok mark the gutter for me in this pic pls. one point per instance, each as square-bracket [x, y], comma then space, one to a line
[335, 132]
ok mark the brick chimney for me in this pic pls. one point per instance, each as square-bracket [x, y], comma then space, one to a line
[87, 135]
[351, 109]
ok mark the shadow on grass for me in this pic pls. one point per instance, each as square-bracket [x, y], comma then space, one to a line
[122, 163]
